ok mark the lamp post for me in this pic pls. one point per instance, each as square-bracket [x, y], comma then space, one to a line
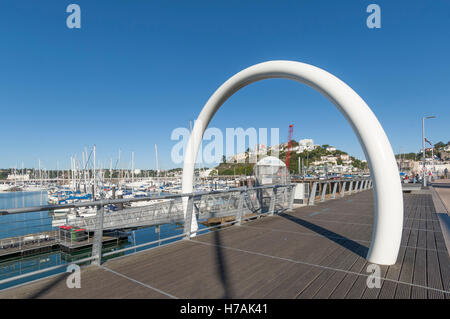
[424, 181]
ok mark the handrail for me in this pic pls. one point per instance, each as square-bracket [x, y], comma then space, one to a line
[125, 200]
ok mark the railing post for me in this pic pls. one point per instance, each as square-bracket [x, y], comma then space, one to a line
[350, 190]
[344, 184]
[291, 198]
[334, 190]
[312, 195]
[272, 201]
[98, 236]
[357, 186]
[324, 190]
[361, 186]
[240, 212]
[188, 218]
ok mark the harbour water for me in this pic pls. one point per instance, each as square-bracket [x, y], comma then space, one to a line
[23, 224]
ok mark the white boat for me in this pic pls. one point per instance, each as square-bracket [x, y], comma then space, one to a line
[33, 188]
[5, 188]
[86, 212]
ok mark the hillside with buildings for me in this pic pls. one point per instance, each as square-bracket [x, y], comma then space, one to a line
[309, 158]
[437, 161]
[306, 158]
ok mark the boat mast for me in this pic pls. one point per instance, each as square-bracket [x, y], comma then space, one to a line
[157, 165]
[39, 161]
[118, 166]
[132, 167]
[95, 173]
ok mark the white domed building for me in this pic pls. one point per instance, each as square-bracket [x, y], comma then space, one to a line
[271, 170]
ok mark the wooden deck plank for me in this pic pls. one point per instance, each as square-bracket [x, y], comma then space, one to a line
[95, 283]
[349, 280]
[388, 288]
[374, 292]
[419, 275]
[444, 263]
[406, 273]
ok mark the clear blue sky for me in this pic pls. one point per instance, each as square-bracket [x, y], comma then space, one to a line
[138, 69]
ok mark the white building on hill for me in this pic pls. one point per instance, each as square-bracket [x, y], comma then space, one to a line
[306, 145]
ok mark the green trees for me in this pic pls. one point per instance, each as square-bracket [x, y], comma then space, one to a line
[307, 157]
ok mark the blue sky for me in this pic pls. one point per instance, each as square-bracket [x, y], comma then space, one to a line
[138, 69]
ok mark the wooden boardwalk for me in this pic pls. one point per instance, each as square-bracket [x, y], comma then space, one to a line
[312, 252]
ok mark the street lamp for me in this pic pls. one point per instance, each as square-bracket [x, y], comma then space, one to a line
[424, 181]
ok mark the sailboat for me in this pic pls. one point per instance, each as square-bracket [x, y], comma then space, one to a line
[5, 188]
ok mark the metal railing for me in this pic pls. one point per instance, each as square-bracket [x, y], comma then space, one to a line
[331, 189]
[211, 209]
[229, 206]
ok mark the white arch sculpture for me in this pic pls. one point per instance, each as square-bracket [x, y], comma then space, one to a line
[388, 219]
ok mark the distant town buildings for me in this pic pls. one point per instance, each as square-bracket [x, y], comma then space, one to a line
[333, 162]
[207, 172]
[445, 155]
[326, 160]
[306, 145]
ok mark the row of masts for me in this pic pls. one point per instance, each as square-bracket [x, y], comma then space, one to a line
[85, 171]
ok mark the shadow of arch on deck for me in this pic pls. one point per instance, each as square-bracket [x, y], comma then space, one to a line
[343, 241]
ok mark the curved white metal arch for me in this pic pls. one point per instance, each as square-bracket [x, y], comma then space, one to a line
[388, 219]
